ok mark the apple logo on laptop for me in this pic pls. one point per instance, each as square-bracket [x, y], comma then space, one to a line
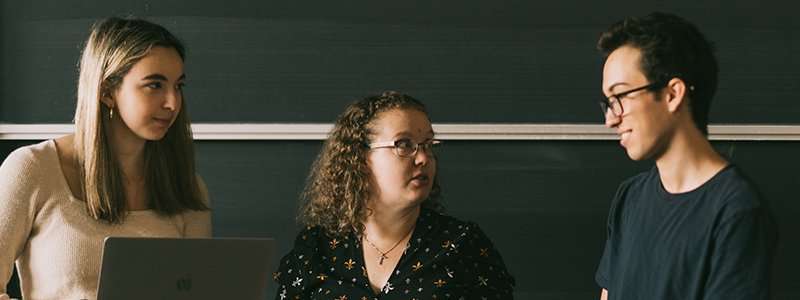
[184, 284]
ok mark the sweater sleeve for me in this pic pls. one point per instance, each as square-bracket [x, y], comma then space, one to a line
[17, 209]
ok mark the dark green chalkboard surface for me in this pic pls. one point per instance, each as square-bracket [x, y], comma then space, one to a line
[543, 203]
[472, 61]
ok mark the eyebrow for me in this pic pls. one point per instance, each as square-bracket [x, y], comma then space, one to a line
[611, 88]
[161, 77]
[407, 133]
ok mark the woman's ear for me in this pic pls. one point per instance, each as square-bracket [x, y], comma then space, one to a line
[365, 167]
[676, 93]
[108, 101]
[107, 98]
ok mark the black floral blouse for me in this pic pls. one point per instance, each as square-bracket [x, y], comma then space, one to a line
[445, 259]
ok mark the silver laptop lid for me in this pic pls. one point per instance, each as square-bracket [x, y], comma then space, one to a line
[180, 268]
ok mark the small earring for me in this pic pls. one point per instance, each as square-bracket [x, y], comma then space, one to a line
[111, 113]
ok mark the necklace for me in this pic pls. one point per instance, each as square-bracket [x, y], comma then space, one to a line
[383, 254]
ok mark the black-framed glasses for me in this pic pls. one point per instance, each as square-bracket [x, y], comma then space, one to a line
[409, 148]
[614, 102]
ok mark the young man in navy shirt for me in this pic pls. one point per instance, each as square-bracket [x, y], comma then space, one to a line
[693, 226]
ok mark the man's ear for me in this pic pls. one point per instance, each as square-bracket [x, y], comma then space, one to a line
[676, 94]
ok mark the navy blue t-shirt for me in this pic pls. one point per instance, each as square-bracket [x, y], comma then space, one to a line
[715, 242]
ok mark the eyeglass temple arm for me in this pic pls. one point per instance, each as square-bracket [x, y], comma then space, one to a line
[381, 144]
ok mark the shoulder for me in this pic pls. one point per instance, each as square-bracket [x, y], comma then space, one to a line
[30, 160]
[314, 239]
[634, 189]
[640, 180]
[468, 251]
[305, 244]
[440, 226]
[35, 152]
[733, 182]
[308, 236]
[311, 244]
[432, 220]
[734, 192]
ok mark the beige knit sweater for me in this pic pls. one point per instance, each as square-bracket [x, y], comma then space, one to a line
[57, 246]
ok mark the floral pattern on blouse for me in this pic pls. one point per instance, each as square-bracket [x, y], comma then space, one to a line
[445, 259]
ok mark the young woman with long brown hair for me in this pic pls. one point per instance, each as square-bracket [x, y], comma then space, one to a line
[128, 170]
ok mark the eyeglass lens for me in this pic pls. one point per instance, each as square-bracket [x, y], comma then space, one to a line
[407, 147]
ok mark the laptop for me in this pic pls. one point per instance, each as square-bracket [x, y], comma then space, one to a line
[185, 268]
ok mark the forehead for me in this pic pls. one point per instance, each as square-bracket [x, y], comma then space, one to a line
[401, 120]
[160, 60]
[623, 69]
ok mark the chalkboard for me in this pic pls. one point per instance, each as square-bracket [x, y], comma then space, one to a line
[543, 203]
[471, 61]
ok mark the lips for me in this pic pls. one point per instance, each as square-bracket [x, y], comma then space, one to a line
[163, 121]
[624, 135]
[420, 179]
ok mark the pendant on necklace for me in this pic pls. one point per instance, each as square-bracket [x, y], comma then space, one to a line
[383, 256]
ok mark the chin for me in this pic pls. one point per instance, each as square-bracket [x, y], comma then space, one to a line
[644, 154]
[417, 200]
[635, 155]
[155, 137]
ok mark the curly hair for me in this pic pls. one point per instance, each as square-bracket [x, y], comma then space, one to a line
[671, 47]
[337, 188]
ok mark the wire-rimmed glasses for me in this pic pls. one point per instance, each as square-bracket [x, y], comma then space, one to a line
[409, 148]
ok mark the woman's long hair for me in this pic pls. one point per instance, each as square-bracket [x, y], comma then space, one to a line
[337, 189]
[114, 46]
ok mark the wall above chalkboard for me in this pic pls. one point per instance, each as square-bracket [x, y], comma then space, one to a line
[471, 61]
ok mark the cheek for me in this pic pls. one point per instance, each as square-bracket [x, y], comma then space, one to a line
[131, 102]
[131, 113]
[384, 170]
[179, 107]
[376, 167]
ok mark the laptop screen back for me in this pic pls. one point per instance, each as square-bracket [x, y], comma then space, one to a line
[179, 268]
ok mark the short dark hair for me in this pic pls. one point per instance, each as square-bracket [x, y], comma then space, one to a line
[671, 47]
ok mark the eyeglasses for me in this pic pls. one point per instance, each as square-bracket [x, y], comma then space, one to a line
[409, 148]
[614, 101]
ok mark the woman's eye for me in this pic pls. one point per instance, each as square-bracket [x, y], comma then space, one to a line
[154, 85]
[180, 86]
[405, 143]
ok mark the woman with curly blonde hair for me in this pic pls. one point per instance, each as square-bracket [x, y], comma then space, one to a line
[373, 188]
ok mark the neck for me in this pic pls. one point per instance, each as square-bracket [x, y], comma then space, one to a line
[130, 155]
[688, 162]
[390, 224]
